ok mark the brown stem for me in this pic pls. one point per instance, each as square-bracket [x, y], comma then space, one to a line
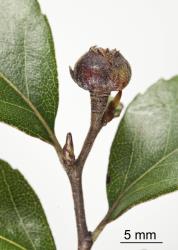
[84, 237]
[98, 105]
[74, 171]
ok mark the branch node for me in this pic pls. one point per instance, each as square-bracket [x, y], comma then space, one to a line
[87, 242]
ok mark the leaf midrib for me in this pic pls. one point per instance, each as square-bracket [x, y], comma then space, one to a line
[134, 182]
[32, 107]
[12, 242]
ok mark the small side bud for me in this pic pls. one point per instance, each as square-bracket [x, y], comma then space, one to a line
[113, 109]
[68, 150]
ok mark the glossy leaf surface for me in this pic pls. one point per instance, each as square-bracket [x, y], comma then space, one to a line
[28, 75]
[23, 225]
[144, 155]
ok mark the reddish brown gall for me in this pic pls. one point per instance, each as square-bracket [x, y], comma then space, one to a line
[102, 71]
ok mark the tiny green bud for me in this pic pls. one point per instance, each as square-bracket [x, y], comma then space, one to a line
[113, 109]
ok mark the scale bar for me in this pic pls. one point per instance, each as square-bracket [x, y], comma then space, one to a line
[141, 242]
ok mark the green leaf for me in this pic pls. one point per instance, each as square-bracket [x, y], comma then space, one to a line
[28, 74]
[23, 225]
[144, 155]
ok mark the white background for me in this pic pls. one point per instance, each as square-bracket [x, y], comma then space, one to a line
[145, 31]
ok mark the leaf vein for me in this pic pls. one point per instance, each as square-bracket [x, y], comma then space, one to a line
[12, 242]
[15, 105]
[138, 179]
[33, 108]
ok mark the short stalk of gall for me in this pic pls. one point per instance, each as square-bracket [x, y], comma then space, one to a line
[99, 71]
